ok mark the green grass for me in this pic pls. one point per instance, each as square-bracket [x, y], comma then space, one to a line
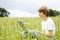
[11, 30]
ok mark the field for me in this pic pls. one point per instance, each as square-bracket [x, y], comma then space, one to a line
[11, 30]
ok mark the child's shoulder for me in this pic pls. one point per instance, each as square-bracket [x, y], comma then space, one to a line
[50, 19]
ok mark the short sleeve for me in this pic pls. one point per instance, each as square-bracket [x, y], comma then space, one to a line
[50, 25]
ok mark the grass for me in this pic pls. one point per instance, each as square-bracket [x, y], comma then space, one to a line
[11, 30]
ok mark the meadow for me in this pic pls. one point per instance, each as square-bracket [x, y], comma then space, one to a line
[11, 30]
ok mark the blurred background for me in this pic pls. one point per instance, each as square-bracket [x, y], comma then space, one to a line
[28, 8]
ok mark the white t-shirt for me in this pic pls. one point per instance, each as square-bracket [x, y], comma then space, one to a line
[48, 25]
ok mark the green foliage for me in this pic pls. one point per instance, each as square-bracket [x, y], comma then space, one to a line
[11, 30]
[4, 12]
[53, 12]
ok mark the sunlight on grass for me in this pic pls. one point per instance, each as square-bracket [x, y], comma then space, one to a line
[11, 30]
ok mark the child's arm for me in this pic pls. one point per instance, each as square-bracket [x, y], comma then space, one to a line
[50, 33]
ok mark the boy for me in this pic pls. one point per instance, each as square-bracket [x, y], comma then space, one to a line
[48, 26]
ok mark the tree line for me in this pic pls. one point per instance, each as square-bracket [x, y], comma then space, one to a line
[54, 12]
[5, 13]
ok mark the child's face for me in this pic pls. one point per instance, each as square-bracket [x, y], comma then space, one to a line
[41, 14]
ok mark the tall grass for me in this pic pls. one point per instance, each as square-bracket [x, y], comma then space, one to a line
[11, 30]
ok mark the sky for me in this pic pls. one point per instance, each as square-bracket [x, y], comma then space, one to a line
[27, 8]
